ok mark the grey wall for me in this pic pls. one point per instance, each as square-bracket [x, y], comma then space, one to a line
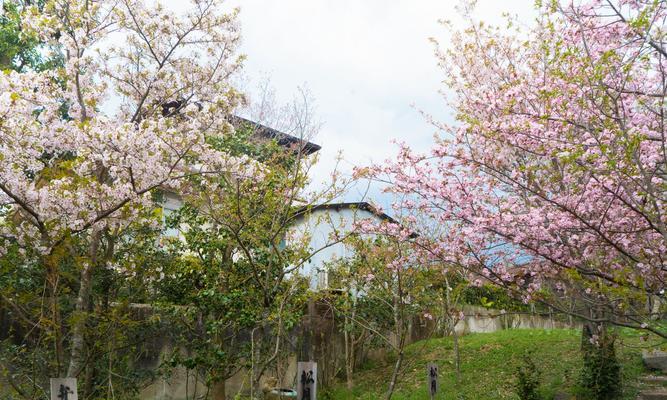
[327, 349]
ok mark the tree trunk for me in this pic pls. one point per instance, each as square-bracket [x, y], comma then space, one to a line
[78, 344]
[77, 356]
[348, 356]
[400, 335]
[457, 356]
[350, 346]
[55, 313]
[219, 390]
[452, 322]
[394, 375]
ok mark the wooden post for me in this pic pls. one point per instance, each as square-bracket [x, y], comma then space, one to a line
[64, 389]
[306, 380]
[432, 379]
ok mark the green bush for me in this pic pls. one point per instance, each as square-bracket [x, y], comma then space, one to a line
[528, 379]
[490, 296]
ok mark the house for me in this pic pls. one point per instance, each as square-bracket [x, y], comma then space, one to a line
[326, 225]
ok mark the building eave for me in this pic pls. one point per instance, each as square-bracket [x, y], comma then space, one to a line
[358, 205]
[283, 139]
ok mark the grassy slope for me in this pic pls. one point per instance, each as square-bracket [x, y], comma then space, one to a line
[488, 365]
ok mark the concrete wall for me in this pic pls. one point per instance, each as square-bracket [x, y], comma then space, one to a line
[327, 349]
[325, 346]
[484, 320]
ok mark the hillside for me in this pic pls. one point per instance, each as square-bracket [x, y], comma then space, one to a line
[488, 365]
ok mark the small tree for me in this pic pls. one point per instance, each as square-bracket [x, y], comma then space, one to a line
[234, 280]
[601, 372]
[229, 281]
[385, 276]
[362, 316]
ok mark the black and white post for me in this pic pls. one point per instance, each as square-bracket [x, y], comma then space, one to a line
[306, 380]
[432, 379]
[64, 389]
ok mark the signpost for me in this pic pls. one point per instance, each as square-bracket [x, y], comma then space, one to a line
[64, 389]
[306, 380]
[432, 379]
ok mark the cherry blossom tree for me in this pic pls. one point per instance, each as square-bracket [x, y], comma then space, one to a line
[74, 166]
[552, 182]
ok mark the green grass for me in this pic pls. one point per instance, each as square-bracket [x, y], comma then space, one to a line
[488, 365]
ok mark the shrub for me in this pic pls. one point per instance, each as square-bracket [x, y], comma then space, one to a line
[601, 373]
[528, 379]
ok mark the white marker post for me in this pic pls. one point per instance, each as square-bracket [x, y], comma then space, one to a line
[306, 380]
[64, 389]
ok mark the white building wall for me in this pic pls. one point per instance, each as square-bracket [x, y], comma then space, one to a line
[319, 228]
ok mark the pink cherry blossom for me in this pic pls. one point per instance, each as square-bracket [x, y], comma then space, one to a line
[554, 175]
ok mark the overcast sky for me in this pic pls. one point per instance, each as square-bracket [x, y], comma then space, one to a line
[368, 63]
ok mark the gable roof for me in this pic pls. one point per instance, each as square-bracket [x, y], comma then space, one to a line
[283, 139]
[359, 205]
[172, 108]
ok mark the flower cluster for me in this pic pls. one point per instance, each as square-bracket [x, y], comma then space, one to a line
[65, 165]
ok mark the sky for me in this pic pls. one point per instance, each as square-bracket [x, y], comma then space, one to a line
[368, 64]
